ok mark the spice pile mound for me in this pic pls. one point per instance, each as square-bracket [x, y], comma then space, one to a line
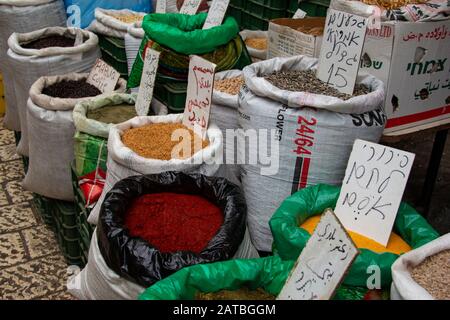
[112, 114]
[433, 275]
[174, 222]
[306, 81]
[154, 141]
[390, 5]
[73, 89]
[51, 41]
[257, 43]
[128, 18]
[241, 294]
[314, 31]
[230, 86]
[395, 245]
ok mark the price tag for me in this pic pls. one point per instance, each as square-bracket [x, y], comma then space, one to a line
[342, 44]
[103, 77]
[216, 13]
[145, 94]
[372, 189]
[190, 7]
[323, 263]
[299, 14]
[161, 6]
[199, 95]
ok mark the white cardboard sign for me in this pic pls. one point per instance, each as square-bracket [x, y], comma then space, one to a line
[190, 7]
[299, 14]
[145, 94]
[323, 263]
[216, 13]
[103, 77]
[342, 44]
[199, 95]
[161, 6]
[372, 189]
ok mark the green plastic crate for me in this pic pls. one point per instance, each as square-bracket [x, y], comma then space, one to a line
[313, 8]
[114, 46]
[253, 22]
[237, 3]
[273, 4]
[120, 66]
[173, 95]
[236, 13]
[43, 206]
[263, 11]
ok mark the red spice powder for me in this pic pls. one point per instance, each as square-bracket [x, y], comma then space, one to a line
[174, 222]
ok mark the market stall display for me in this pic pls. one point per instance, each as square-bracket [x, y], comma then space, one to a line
[123, 162]
[290, 238]
[15, 16]
[51, 132]
[314, 133]
[47, 60]
[422, 274]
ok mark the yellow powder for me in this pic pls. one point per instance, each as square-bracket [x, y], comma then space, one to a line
[395, 245]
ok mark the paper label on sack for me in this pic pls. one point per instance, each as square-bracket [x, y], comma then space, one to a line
[342, 44]
[145, 94]
[372, 189]
[299, 14]
[323, 263]
[190, 7]
[103, 77]
[199, 95]
[161, 6]
[216, 13]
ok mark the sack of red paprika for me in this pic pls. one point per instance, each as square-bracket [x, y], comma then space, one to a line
[140, 261]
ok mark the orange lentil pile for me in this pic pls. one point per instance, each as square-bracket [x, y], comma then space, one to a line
[154, 141]
[395, 245]
[257, 43]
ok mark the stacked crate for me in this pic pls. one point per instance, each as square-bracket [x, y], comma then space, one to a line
[114, 54]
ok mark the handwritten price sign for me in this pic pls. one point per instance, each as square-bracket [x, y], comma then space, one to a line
[103, 77]
[323, 263]
[216, 13]
[190, 7]
[342, 45]
[145, 95]
[373, 187]
[199, 95]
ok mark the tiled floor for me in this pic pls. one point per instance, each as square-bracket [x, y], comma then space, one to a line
[31, 265]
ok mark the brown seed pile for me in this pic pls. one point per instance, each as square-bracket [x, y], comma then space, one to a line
[433, 275]
[314, 31]
[240, 294]
[257, 43]
[154, 141]
[230, 86]
[51, 41]
[306, 81]
[393, 4]
[71, 89]
[130, 18]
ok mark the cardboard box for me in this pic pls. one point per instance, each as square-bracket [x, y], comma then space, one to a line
[286, 41]
[413, 59]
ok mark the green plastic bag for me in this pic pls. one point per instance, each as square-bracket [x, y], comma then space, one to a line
[91, 152]
[268, 273]
[290, 239]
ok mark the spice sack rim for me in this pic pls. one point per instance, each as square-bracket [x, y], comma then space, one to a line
[25, 3]
[254, 79]
[15, 41]
[121, 154]
[62, 104]
[126, 254]
[136, 30]
[105, 17]
[95, 127]
[224, 98]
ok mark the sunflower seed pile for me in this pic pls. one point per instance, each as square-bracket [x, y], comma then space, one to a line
[306, 81]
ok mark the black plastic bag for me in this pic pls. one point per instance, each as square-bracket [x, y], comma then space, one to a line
[134, 258]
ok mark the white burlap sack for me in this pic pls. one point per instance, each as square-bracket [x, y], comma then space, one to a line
[106, 24]
[98, 282]
[403, 286]
[31, 64]
[123, 162]
[315, 135]
[22, 16]
[224, 110]
[255, 53]
[133, 40]
[51, 132]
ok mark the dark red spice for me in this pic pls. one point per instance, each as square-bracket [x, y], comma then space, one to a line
[174, 222]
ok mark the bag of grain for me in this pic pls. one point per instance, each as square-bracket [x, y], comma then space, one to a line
[256, 42]
[47, 52]
[123, 162]
[313, 133]
[93, 119]
[51, 131]
[22, 16]
[114, 23]
[421, 274]
[133, 40]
